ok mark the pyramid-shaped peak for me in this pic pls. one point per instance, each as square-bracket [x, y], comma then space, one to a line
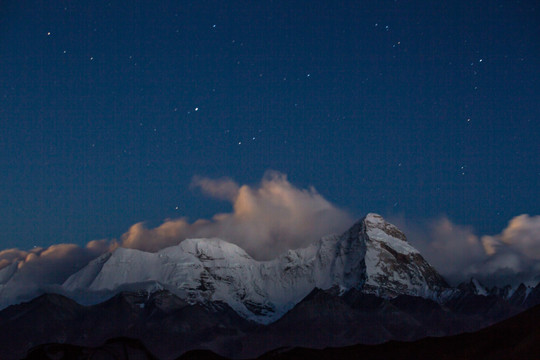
[474, 287]
[374, 218]
[393, 266]
[376, 221]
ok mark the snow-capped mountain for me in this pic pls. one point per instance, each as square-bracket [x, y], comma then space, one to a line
[521, 295]
[372, 256]
[368, 285]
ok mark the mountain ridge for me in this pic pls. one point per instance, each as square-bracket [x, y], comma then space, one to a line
[372, 255]
[169, 334]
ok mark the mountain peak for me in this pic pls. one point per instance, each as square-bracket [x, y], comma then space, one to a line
[474, 287]
[393, 266]
[376, 221]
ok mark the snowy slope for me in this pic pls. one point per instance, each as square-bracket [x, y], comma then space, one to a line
[395, 267]
[373, 256]
[7, 272]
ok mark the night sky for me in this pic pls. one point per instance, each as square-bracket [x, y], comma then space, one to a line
[414, 109]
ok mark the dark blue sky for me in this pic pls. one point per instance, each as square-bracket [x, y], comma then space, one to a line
[414, 108]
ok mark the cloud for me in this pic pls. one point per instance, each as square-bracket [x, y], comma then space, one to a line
[452, 249]
[8, 256]
[512, 256]
[34, 270]
[490, 244]
[55, 263]
[169, 233]
[224, 188]
[523, 233]
[266, 219]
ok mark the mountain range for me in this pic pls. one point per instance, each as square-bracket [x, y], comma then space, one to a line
[372, 255]
[368, 285]
[517, 338]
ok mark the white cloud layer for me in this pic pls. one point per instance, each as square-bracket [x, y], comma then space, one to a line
[523, 233]
[266, 220]
[24, 274]
[458, 253]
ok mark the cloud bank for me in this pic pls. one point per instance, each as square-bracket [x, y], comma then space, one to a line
[512, 256]
[27, 273]
[266, 220]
